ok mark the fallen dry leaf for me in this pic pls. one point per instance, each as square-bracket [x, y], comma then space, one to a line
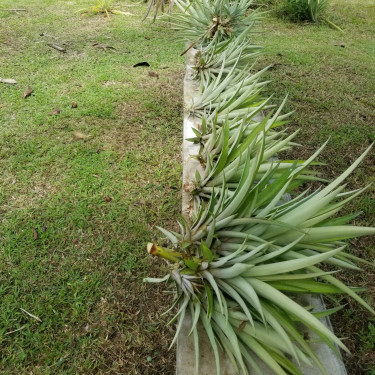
[10, 81]
[27, 93]
[79, 135]
[143, 63]
[55, 111]
[31, 315]
[142, 202]
[56, 47]
[98, 45]
[15, 10]
[35, 234]
[74, 105]
[102, 46]
[153, 74]
[16, 330]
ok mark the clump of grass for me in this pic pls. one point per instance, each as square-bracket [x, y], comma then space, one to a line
[307, 10]
[103, 7]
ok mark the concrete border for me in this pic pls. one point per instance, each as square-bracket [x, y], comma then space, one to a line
[185, 364]
[190, 165]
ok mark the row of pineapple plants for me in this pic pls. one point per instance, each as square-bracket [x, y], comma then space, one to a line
[245, 253]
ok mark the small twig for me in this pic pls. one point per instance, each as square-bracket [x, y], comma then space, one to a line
[15, 10]
[196, 41]
[60, 49]
[151, 3]
[333, 26]
[192, 45]
[16, 330]
[31, 315]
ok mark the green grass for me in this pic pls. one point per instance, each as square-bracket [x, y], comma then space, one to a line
[330, 80]
[76, 214]
[94, 202]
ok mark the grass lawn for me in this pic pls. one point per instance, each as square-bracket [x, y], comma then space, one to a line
[330, 78]
[81, 191]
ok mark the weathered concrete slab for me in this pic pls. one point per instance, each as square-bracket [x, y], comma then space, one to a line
[185, 345]
[190, 165]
